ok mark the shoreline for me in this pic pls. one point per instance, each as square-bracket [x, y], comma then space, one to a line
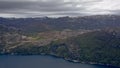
[68, 60]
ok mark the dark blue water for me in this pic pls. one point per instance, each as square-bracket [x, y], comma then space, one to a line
[41, 62]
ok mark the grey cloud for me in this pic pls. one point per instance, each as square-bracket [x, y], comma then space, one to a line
[29, 8]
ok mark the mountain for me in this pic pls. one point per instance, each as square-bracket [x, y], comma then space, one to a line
[97, 47]
[35, 25]
[89, 39]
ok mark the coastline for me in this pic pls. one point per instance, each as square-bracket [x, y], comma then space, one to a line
[68, 60]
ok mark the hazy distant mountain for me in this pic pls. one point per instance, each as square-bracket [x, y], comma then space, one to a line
[45, 24]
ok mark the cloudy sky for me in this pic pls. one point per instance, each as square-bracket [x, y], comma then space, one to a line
[56, 8]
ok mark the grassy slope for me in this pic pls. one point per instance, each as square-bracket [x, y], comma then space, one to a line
[93, 47]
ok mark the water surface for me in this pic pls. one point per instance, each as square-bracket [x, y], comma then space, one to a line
[41, 62]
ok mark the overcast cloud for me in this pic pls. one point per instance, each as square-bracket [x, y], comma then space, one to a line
[56, 8]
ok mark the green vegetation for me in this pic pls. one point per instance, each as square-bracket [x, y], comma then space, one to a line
[100, 47]
[92, 47]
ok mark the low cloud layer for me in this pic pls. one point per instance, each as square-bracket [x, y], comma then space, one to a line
[56, 8]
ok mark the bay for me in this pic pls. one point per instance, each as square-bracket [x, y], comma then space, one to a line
[36, 61]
